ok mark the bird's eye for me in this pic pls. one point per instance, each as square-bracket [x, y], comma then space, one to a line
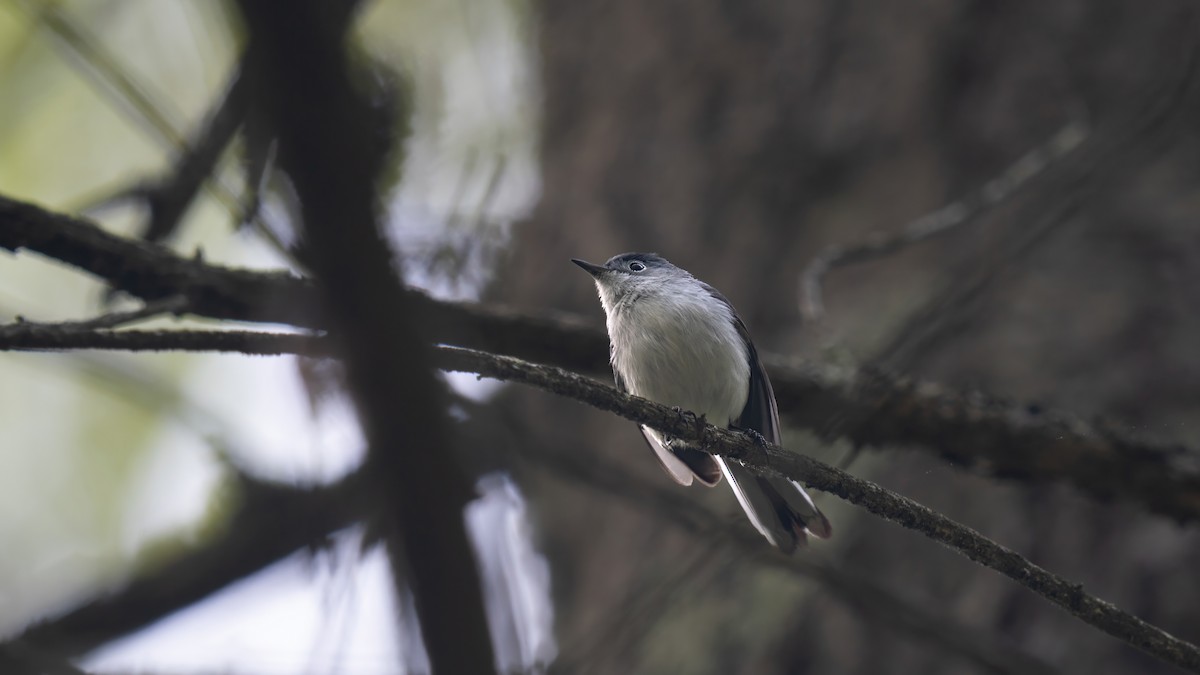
[636, 266]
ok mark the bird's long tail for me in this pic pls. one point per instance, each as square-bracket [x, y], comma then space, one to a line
[778, 508]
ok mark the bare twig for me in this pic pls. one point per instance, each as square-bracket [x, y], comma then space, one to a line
[104, 71]
[110, 320]
[962, 296]
[938, 222]
[1152, 119]
[169, 198]
[25, 336]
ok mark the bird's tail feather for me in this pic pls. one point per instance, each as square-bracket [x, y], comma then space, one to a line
[778, 508]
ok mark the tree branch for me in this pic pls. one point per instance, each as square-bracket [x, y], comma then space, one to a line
[938, 222]
[856, 590]
[169, 198]
[866, 494]
[871, 407]
[23, 336]
[333, 145]
[867, 408]
[270, 522]
[1138, 131]
[254, 540]
[872, 497]
[152, 272]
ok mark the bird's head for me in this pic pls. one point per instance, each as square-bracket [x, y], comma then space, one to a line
[630, 276]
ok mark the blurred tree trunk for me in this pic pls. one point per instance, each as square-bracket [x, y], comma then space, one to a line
[738, 139]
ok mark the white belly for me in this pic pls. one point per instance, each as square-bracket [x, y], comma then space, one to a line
[683, 358]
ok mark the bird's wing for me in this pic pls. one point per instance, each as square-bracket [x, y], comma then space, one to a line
[674, 466]
[777, 507]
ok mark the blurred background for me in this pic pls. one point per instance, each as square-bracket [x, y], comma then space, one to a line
[739, 139]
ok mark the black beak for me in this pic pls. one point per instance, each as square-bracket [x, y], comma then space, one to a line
[588, 267]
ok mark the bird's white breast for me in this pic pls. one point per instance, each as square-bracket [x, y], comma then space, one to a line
[678, 352]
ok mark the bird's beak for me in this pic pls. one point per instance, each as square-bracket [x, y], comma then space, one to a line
[588, 267]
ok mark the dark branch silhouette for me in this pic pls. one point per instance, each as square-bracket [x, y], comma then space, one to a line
[864, 594]
[254, 540]
[1142, 127]
[936, 223]
[333, 148]
[270, 523]
[872, 497]
[353, 308]
[867, 407]
[168, 198]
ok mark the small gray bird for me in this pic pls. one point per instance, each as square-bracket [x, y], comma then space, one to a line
[677, 341]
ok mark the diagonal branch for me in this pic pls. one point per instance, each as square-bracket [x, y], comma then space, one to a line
[1137, 132]
[333, 147]
[170, 198]
[936, 223]
[866, 407]
[270, 523]
[856, 590]
[152, 272]
[253, 540]
[872, 497]
[871, 407]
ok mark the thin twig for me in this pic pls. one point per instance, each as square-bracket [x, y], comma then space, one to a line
[1134, 135]
[171, 305]
[938, 222]
[26, 336]
[1152, 118]
[104, 71]
[170, 197]
[131, 96]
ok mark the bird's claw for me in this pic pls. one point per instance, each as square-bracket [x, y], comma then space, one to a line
[758, 437]
[698, 422]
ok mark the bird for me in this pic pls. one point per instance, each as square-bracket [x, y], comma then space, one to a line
[677, 341]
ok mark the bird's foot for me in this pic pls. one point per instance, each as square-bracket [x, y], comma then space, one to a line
[690, 417]
[759, 440]
[757, 437]
[698, 422]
